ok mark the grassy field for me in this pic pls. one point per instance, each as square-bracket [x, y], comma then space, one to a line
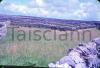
[29, 52]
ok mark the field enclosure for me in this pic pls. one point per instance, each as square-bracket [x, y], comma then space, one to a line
[23, 51]
[38, 41]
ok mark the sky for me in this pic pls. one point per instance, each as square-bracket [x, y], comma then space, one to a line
[61, 9]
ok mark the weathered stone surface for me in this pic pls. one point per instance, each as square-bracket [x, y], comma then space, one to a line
[3, 29]
[85, 55]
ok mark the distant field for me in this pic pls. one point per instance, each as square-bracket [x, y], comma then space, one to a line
[30, 52]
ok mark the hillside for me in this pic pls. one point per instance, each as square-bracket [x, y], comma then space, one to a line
[21, 48]
[56, 24]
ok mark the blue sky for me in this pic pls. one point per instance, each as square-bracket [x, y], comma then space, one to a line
[63, 9]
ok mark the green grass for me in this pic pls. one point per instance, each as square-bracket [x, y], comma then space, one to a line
[30, 53]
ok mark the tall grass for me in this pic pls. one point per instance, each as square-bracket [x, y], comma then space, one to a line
[32, 53]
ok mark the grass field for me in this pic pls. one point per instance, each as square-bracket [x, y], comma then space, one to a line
[29, 52]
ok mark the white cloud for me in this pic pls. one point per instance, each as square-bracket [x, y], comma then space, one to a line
[89, 6]
[25, 9]
[74, 9]
[41, 7]
[80, 13]
[18, 8]
[72, 4]
[87, 11]
[40, 3]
